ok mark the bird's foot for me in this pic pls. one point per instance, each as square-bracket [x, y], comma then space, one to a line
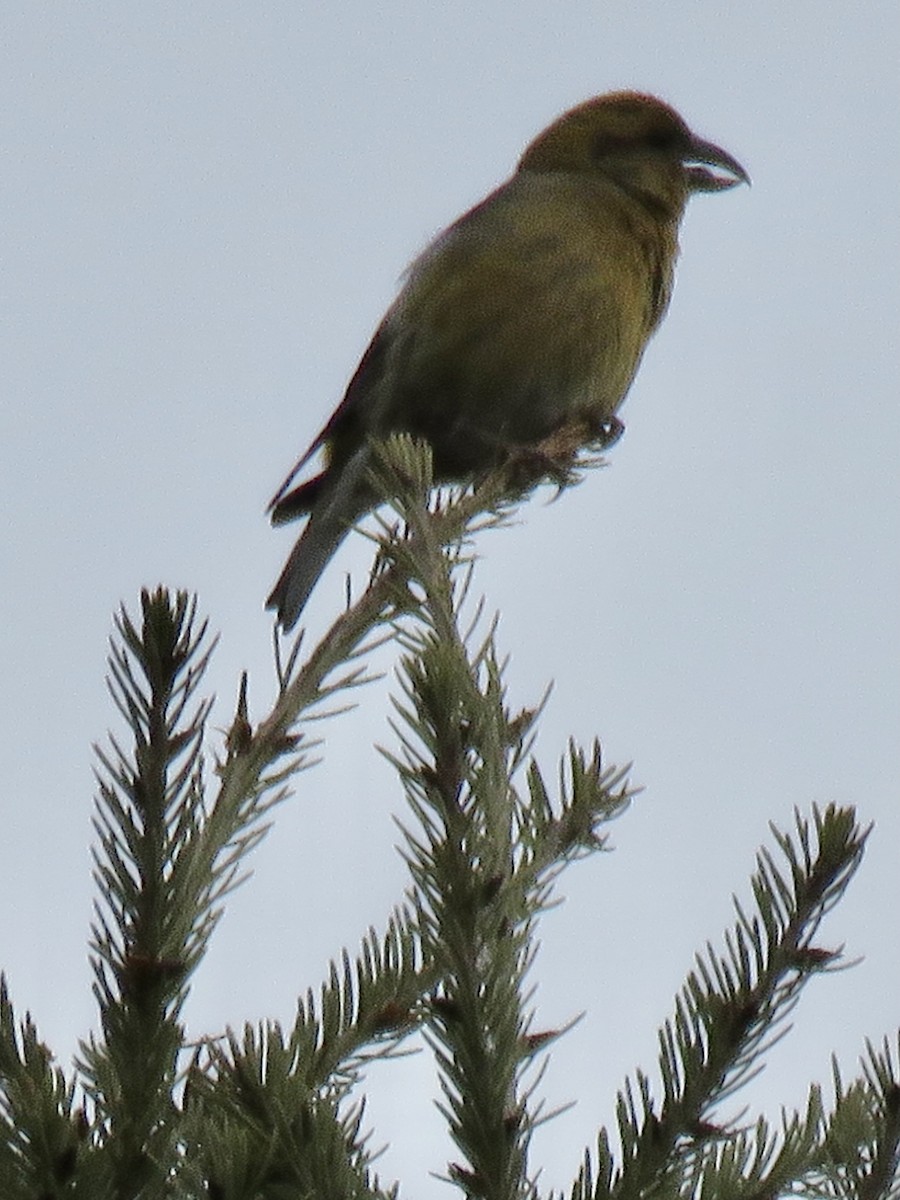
[555, 459]
[526, 466]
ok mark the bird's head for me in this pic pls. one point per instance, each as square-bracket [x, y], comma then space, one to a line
[640, 143]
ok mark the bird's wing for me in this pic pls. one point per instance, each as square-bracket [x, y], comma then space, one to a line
[350, 412]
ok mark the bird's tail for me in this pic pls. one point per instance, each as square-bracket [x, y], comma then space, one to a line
[340, 503]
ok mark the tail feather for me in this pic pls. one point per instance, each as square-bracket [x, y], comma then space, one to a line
[339, 503]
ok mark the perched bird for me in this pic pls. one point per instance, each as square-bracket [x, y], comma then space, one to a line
[529, 313]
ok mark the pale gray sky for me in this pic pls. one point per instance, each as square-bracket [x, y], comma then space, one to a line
[205, 211]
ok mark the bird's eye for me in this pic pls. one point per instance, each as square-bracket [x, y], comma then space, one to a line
[605, 144]
[660, 139]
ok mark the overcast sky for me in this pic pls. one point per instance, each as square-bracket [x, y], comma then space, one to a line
[205, 210]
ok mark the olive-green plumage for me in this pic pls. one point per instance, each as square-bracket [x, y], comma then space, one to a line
[529, 313]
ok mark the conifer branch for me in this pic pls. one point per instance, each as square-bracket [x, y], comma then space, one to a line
[164, 862]
[40, 1128]
[732, 1009]
[482, 857]
[273, 1115]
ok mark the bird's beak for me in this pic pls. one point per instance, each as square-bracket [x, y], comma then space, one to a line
[700, 179]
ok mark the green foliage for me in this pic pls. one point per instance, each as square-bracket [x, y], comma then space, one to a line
[273, 1114]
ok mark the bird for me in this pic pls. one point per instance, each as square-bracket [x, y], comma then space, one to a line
[528, 314]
